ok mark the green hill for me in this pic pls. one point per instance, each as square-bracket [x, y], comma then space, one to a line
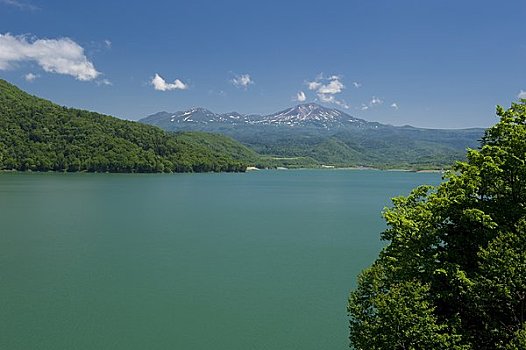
[38, 135]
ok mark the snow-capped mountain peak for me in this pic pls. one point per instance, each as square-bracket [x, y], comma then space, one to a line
[310, 115]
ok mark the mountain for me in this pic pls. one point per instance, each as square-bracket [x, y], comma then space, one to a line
[313, 115]
[309, 115]
[329, 136]
[36, 134]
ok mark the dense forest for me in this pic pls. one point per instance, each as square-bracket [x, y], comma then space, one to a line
[384, 148]
[38, 135]
[453, 275]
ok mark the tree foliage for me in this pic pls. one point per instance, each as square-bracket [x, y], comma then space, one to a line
[38, 135]
[453, 275]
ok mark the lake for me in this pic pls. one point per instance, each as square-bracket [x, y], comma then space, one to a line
[261, 260]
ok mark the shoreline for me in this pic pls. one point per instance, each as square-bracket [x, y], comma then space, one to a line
[248, 169]
[358, 168]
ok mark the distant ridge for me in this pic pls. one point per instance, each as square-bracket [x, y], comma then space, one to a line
[329, 136]
[302, 115]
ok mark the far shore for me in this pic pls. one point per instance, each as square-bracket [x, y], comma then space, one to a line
[248, 169]
[332, 167]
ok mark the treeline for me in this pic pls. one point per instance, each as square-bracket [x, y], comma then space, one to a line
[384, 147]
[38, 135]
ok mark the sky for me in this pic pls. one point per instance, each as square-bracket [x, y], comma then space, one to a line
[436, 64]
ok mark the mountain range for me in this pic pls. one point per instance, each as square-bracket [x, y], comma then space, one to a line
[328, 136]
[309, 115]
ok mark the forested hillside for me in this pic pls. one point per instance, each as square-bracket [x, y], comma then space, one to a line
[38, 135]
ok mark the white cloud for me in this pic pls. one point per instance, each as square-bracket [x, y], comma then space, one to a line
[19, 4]
[342, 103]
[394, 105]
[313, 85]
[331, 99]
[357, 84]
[107, 43]
[331, 85]
[30, 77]
[335, 86]
[327, 88]
[104, 82]
[300, 96]
[522, 94]
[62, 56]
[161, 85]
[326, 98]
[243, 81]
[375, 101]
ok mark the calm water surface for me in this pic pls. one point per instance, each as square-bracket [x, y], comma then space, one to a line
[262, 260]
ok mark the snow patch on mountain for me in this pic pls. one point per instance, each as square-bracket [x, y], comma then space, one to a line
[303, 115]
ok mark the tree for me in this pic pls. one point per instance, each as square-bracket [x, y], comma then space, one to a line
[453, 275]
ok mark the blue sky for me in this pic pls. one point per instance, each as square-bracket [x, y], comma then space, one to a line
[442, 64]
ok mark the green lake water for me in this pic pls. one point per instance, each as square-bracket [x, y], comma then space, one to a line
[262, 260]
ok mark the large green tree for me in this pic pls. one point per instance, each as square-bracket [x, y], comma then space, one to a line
[453, 275]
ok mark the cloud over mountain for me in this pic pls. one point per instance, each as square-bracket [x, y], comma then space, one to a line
[243, 81]
[160, 84]
[327, 88]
